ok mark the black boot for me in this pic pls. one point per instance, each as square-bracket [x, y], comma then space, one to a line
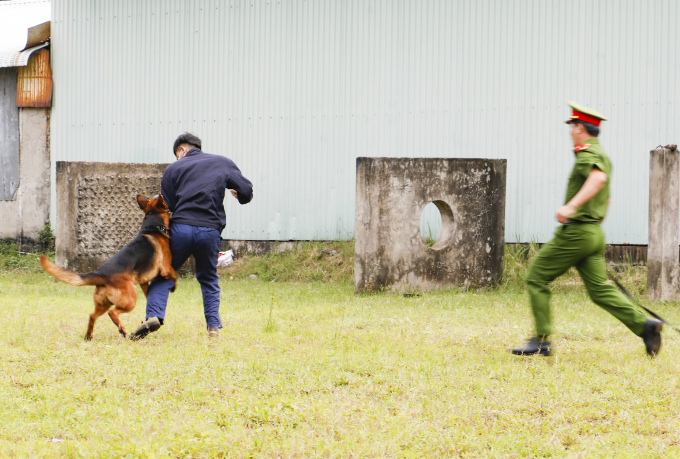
[534, 346]
[651, 335]
[150, 325]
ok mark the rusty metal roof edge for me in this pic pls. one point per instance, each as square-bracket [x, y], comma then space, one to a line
[34, 82]
[25, 26]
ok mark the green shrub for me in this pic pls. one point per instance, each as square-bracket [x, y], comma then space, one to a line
[11, 259]
[45, 242]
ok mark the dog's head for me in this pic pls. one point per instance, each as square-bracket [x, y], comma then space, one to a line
[155, 207]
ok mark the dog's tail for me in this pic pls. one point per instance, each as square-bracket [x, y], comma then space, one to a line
[70, 277]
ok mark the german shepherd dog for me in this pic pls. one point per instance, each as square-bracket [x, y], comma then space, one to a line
[144, 258]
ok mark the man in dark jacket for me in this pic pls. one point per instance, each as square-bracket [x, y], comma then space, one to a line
[194, 189]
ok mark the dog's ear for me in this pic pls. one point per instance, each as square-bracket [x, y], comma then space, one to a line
[142, 201]
[159, 203]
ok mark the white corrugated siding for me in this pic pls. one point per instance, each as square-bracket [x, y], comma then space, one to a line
[294, 90]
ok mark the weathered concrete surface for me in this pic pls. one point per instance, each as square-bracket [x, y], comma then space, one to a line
[390, 197]
[260, 247]
[663, 270]
[24, 216]
[34, 190]
[97, 211]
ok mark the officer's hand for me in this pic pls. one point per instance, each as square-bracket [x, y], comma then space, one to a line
[234, 193]
[564, 212]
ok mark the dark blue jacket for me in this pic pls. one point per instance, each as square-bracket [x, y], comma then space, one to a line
[194, 188]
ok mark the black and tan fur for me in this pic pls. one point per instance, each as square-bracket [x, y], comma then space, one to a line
[140, 261]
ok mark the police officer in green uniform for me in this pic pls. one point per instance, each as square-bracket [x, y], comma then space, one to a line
[580, 242]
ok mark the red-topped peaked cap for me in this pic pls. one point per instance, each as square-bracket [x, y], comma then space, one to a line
[585, 114]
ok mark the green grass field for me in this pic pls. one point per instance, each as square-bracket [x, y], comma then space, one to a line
[308, 369]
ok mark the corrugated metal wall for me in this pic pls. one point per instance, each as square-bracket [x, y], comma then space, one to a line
[34, 81]
[295, 90]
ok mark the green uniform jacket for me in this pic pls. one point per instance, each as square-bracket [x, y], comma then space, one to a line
[589, 155]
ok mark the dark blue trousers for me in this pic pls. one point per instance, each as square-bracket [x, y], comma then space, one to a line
[204, 244]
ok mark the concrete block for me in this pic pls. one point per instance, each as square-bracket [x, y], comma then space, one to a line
[34, 190]
[663, 269]
[97, 211]
[258, 248]
[26, 214]
[390, 197]
[9, 212]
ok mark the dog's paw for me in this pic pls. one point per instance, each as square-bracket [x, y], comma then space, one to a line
[174, 286]
[88, 337]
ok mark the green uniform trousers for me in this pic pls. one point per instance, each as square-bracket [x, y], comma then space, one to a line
[580, 245]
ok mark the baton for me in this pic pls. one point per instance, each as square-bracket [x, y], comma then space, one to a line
[636, 302]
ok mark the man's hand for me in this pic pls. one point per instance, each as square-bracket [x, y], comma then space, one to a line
[234, 193]
[564, 212]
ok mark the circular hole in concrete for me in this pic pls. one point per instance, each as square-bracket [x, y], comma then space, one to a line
[436, 224]
[430, 224]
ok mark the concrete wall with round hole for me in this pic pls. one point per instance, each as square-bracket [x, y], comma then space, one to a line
[428, 223]
[436, 225]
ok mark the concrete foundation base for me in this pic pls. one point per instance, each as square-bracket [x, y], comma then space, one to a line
[261, 247]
